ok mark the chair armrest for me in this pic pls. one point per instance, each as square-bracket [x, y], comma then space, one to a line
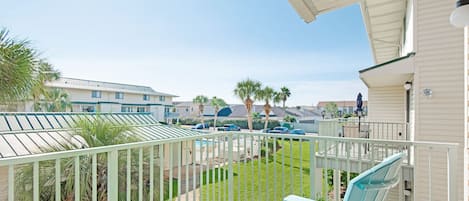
[379, 185]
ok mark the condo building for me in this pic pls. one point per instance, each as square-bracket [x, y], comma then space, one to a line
[107, 97]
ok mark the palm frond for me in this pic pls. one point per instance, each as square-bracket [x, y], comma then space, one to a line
[21, 70]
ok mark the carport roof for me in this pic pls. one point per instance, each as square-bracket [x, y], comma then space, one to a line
[34, 133]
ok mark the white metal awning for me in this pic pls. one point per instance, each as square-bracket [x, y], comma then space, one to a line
[34, 133]
[384, 21]
[392, 73]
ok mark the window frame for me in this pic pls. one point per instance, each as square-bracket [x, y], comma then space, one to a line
[140, 107]
[119, 97]
[96, 94]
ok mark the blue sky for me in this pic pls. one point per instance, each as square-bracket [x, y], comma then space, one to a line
[199, 47]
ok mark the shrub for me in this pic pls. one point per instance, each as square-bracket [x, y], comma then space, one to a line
[289, 118]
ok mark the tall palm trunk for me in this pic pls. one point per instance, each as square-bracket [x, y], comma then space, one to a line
[249, 120]
[201, 113]
[248, 104]
[267, 109]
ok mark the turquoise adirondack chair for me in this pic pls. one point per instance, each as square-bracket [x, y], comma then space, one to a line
[371, 185]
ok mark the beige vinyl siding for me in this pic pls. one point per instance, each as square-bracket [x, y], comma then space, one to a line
[386, 104]
[439, 65]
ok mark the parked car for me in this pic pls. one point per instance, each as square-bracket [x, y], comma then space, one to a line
[229, 127]
[279, 129]
[297, 132]
[200, 126]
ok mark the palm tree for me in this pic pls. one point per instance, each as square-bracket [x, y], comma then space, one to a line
[266, 94]
[18, 62]
[331, 109]
[284, 94]
[102, 132]
[22, 72]
[46, 74]
[277, 98]
[99, 132]
[246, 90]
[201, 100]
[217, 103]
[57, 100]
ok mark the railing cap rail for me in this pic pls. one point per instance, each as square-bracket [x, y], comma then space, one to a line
[105, 149]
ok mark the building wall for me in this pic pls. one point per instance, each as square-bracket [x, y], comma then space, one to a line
[187, 111]
[439, 65]
[82, 98]
[157, 111]
[109, 107]
[386, 104]
[80, 95]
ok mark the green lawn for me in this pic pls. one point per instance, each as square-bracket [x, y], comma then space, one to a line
[256, 180]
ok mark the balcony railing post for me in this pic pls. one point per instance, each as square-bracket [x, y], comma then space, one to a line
[452, 178]
[11, 183]
[230, 167]
[312, 167]
[112, 175]
[36, 181]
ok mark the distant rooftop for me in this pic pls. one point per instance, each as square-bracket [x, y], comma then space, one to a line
[347, 103]
[74, 83]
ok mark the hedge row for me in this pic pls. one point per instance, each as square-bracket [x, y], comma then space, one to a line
[243, 123]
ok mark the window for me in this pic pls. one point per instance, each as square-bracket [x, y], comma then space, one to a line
[140, 109]
[162, 98]
[119, 95]
[126, 109]
[146, 97]
[95, 94]
[87, 108]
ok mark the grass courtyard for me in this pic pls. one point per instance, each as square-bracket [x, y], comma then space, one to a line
[266, 179]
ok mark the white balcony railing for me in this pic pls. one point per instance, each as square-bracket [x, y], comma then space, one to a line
[224, 166]
[364, 129]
